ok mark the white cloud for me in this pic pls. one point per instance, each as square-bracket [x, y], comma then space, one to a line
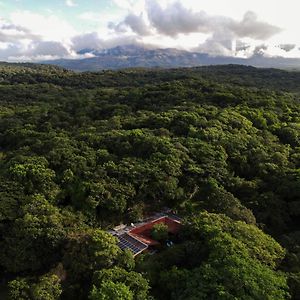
[136, 23]
[242, 46]
[177, 21]
[215, 48]
[48, 48]
[125, 4]
[209, 26]
[251, 27]
[49, 27]
[175, 18]
[11, 33]
[260, 49]
[287, 47]
[94, 41]
[87, 41]
[70, 3]
[36, 39]
[8, 50]
[100, 18]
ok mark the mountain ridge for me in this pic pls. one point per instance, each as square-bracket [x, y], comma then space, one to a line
[133, 56]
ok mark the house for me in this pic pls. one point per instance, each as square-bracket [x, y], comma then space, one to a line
[138, 237]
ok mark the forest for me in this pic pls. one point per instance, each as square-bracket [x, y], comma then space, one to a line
[83, 152]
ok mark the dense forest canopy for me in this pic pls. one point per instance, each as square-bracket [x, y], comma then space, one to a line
[81, 152]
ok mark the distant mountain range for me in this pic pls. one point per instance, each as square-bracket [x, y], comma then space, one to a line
[133, 56]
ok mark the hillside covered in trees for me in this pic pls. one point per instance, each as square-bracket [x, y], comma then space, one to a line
[82, 152]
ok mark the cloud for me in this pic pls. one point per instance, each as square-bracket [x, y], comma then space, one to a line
[87, 41]
[18, 43]
[125, 4]
[10, 50]
[251, 27]
[224, 35]
[35, 51]
[287, 47]
[49, 27]
[11, 33]
[32, 35]
[241, 46]
[21, 43]
[135, 22]
[175, 19]
[48, 48]
[70, 3]
[121, 41]
[215, 48]
[92, 41]
[260, 49]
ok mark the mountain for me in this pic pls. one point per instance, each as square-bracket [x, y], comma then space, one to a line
[132, 56]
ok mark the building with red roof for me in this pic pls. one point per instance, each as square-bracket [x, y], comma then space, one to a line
[139, 238]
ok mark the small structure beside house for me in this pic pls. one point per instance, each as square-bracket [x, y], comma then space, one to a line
[137, 237]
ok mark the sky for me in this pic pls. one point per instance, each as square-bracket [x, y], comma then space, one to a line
[35, 30]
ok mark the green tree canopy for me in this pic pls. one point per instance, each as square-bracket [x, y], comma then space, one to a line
[160, 232]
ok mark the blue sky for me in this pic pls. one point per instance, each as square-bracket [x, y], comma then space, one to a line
[42, 6]
[67, 10]
[40, 29]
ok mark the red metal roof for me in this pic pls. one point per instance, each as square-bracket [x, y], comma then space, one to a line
[143, 233]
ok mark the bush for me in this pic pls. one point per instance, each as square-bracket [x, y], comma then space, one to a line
[160, 232]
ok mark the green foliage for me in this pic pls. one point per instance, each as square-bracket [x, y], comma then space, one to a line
[12, 197]
[19, 289]
[160, 232]
[126, 260]
[46, 288]
[32, 240]
[88, 251]
[294, 283]
[33, 173]
[221, 201]
[219, 259]
[111, 291]
[81, 152]
[132, 281]
[260, 246]
[240, 263]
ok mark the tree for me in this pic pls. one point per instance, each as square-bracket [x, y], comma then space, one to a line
[88, 251]
[111, 291]
[11, 200]
[219, 200]
[83, 151]
[126, 260]
[34, 239]
[241, 263]
[33, 173]
[133, 281]
[47, 288]
[19, 289]
[160, 232]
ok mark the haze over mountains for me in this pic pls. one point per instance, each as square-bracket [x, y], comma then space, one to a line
[131, 56]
